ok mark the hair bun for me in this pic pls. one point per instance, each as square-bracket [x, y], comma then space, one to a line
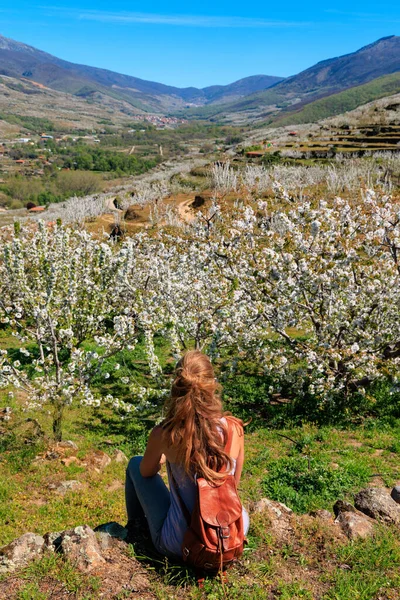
[189, 377]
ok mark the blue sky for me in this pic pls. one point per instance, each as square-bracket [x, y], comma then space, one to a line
[185, 43]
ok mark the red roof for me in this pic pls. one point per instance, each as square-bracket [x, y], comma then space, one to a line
[37, 209]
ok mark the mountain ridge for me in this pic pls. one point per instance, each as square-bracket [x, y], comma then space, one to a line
[326, 77]
[256, 97]
[18, 59]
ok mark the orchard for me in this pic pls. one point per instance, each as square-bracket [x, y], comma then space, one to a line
[304, 286]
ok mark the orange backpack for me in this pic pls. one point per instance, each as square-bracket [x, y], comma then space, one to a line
[215, 535]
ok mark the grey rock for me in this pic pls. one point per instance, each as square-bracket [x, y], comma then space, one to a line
[105, 540]
[20, 551]
[395, 494]
[277, 508]
[52, 540]
[82, 547]
[120, 457]
[113, 529]
[52, 455]
[66, 486]
[322, 514]
[279, 516]
[98, 460]
[5, 413]
[67, 444]
[378, 504]
[341, 506]
[355, 524]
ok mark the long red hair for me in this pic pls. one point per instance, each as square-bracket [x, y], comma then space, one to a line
[192, 424]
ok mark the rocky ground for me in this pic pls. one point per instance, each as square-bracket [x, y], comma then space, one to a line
[326, 529]
[107, 554]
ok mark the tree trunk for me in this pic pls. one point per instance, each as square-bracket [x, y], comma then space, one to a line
[57, 421]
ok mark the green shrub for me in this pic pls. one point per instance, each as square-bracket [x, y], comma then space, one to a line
[15, 204]
[79, 183]
[271, 158]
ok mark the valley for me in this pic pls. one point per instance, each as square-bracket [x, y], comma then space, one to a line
[257, 222]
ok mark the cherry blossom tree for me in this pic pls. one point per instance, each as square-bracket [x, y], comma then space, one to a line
[57, 290]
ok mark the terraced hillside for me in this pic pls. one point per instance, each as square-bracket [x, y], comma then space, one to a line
[346, 138]
[373, 127]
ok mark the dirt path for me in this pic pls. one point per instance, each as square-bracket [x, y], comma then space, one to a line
[185, 212]
[109, 204]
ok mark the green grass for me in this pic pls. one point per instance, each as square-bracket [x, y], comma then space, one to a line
[372, 569]
[62, 577]
[341, 461]
[305, 483]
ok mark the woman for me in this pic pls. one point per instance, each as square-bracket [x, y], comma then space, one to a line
[192, 439]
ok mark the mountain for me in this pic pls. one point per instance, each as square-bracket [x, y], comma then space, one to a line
[323, 79]
[259, 98]
[22, 61]
[372, 61]
[238, 89]
[343, 102]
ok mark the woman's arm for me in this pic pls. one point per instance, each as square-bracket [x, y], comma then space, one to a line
[153, 457]
[240, 459]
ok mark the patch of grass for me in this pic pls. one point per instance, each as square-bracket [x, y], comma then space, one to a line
[54, 564]
[31, 592]
[56, 573]
[370, 568]
[290, 591]
[305, 483]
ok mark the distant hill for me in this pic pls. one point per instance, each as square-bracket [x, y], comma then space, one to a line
[336, 104]
[22, 61]
[238, 89]
[323, 79]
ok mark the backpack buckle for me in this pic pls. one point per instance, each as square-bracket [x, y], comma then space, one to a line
[226, 535]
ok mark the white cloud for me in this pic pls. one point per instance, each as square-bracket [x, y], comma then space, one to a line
[175, 20]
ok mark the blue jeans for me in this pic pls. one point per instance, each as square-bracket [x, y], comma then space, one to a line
[148, 495]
